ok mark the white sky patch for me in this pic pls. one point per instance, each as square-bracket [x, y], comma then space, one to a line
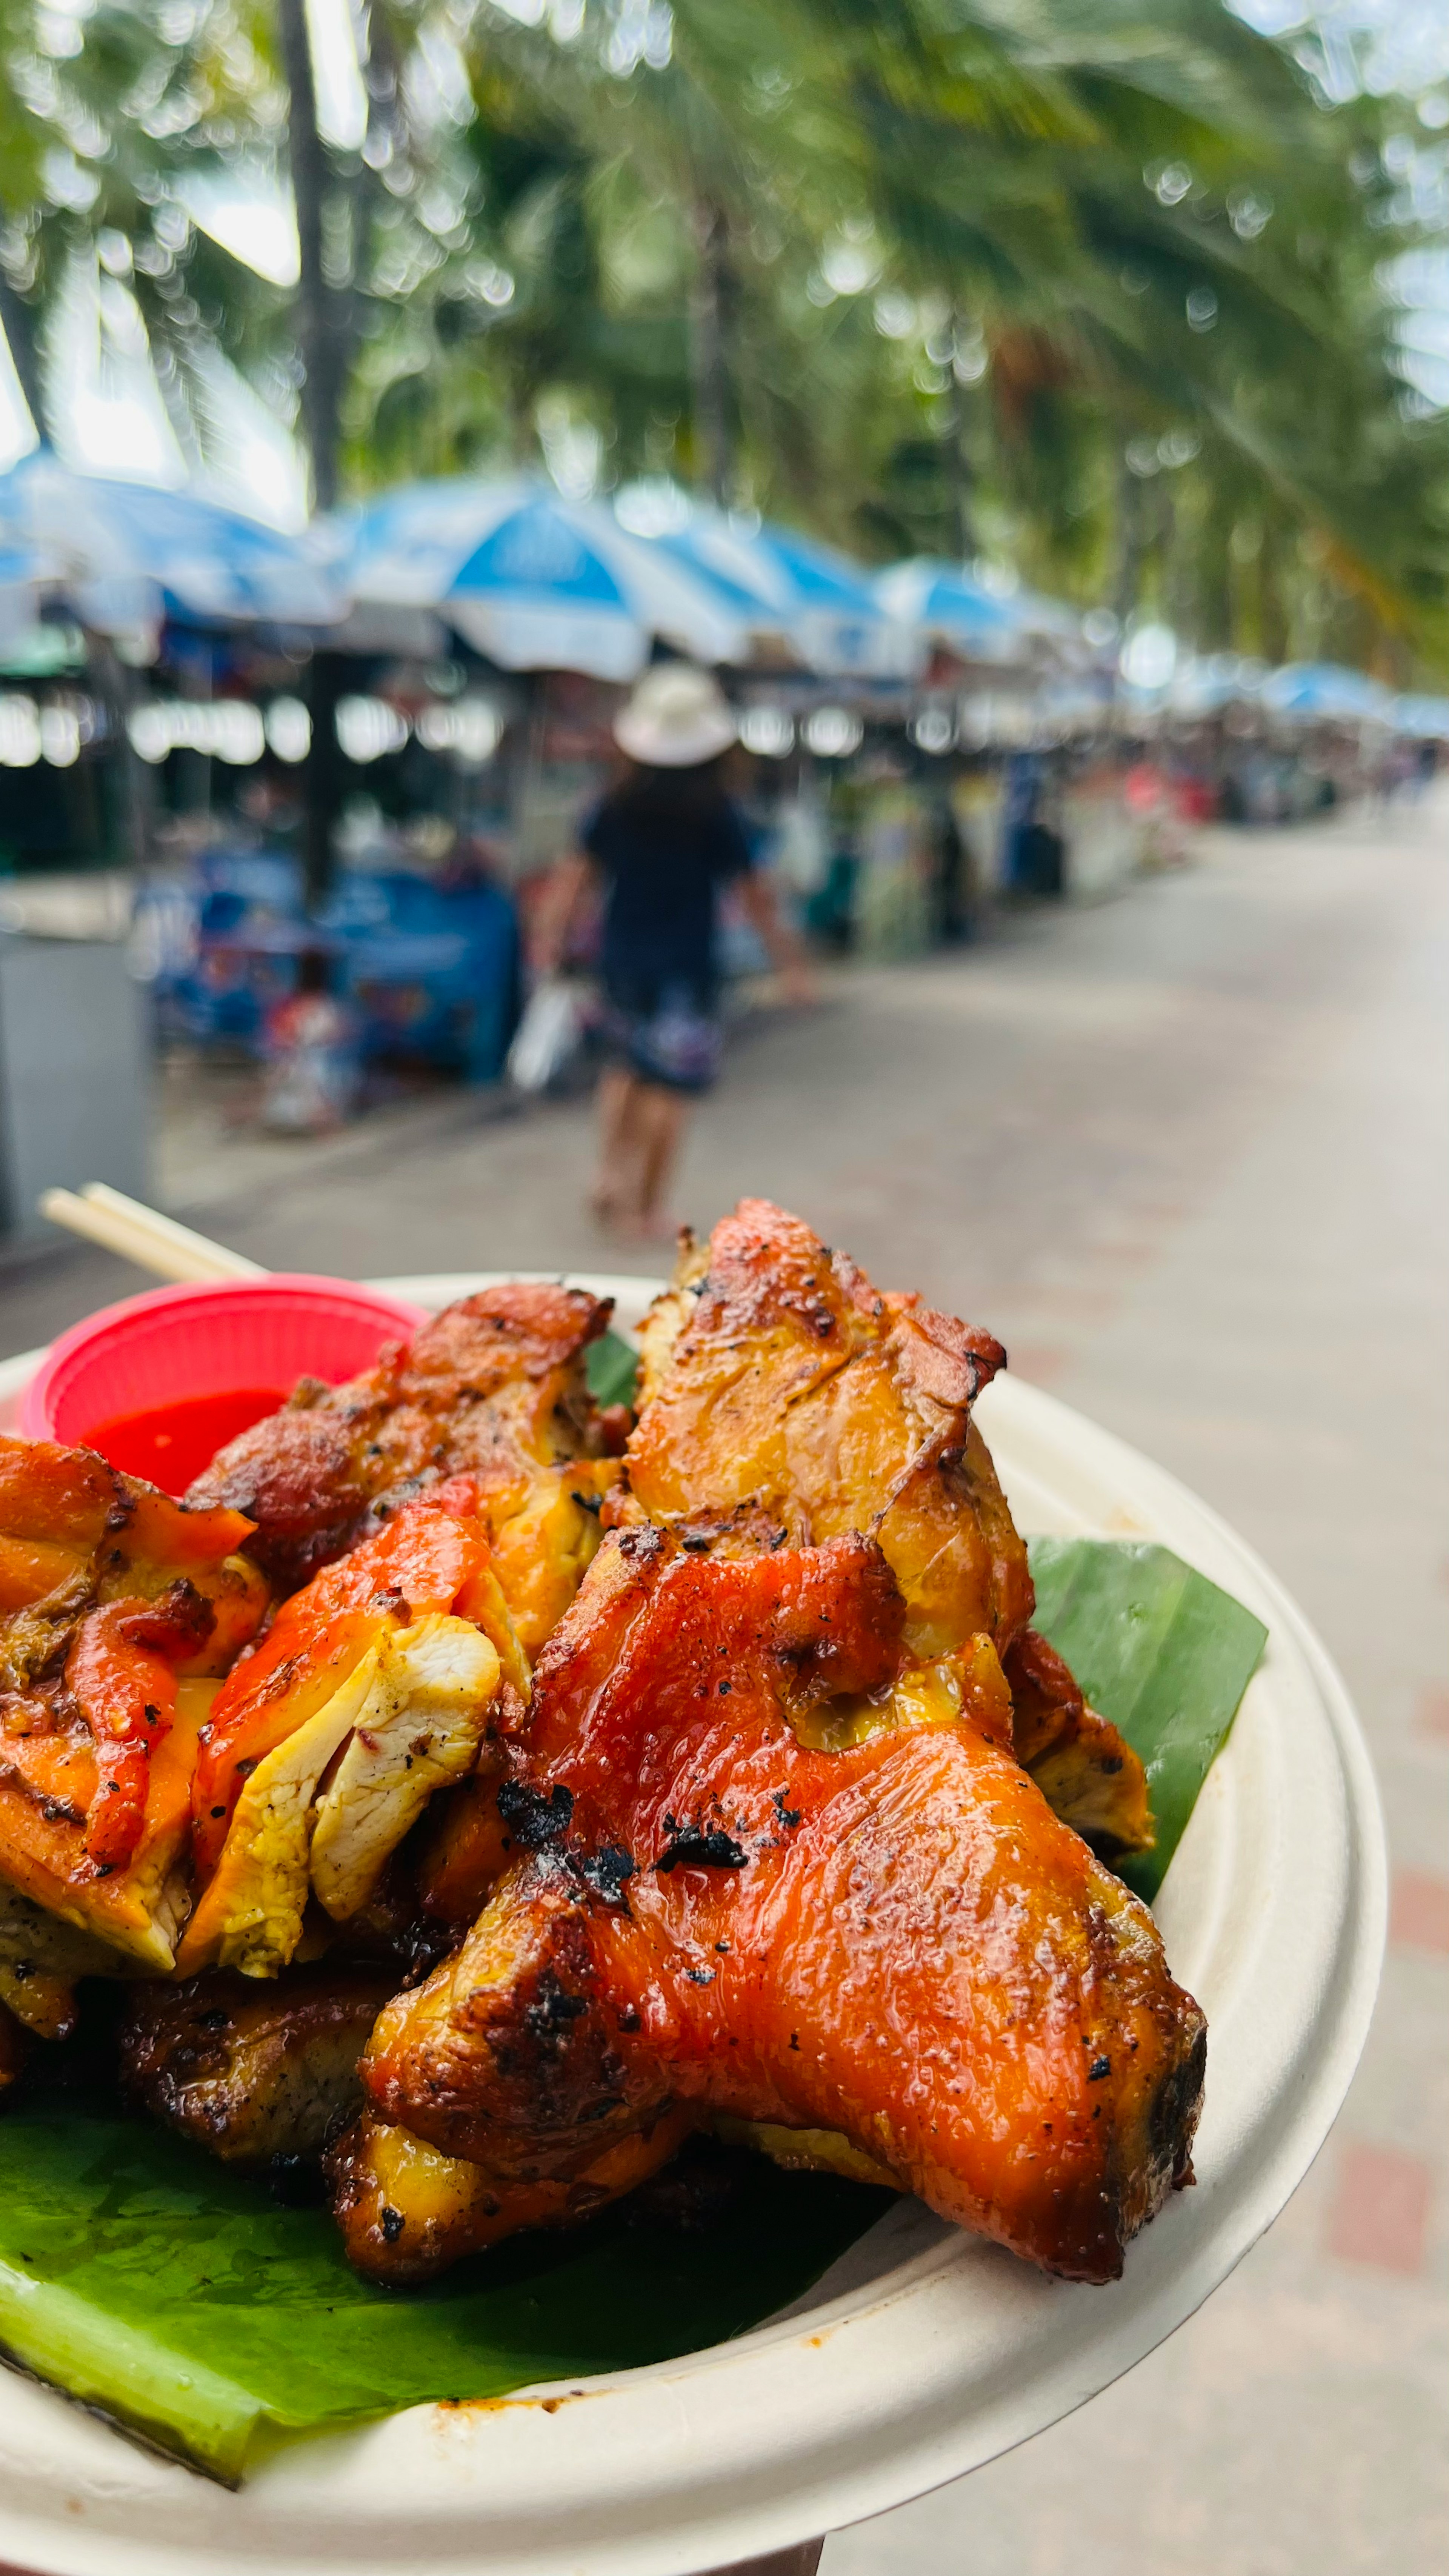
[253, 463]
[17, 429]
[102, 391]
[337, 73]
[253, 217]
[436, 81]
[1388, 49]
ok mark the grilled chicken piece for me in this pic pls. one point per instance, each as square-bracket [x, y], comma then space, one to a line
[407, 2212]
[372, 1689]
[776, 1378]
[779, 1387]
[252, 2072]
[1087, 1773]
[14, 2048]
[118, 1609]
[40, 1959]
[494, 1388]
[895, 1940]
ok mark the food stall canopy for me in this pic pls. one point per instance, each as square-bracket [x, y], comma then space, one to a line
[124, 555]
[1204, 684]
[1325, 692]
[948, 606]
[790, 590]
[1422, 719]
[22, 573]
[533, 581]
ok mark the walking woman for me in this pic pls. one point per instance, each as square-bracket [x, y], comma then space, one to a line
[661, 848]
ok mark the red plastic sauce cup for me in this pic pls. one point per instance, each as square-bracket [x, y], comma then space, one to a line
[202, 1359]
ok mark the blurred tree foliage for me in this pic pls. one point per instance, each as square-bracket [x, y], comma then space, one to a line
[1089, 285]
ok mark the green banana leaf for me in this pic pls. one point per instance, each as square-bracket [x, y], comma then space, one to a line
[147, 2280]
[182, 2300]
[612, 1370]
[1161, 1652]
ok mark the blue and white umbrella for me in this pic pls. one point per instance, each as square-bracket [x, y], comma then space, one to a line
[951, 609]
[790, 589]
[1203, 684]
[123, 554]
[1422, 719]
[1324, 690]
[532, 580]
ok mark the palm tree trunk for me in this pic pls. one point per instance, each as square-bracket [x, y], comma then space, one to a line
[1131, 537]
[17, 321]
[323, 338]
[320, 334]
[709, 360]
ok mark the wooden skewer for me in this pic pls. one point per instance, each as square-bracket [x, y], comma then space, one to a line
[141, 1234]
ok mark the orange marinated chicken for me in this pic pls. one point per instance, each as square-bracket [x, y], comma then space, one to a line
[492, 1388]
[118, 1610]
[781, 1871]
[374, 1687]
[781, 1392]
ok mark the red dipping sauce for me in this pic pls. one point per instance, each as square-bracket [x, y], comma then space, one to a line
[170, 1445]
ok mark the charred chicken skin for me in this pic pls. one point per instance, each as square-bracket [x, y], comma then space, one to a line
[894, 1939]
[119, 1608]
[492, 1388]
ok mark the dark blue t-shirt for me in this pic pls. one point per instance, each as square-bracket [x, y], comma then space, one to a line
[664, 866]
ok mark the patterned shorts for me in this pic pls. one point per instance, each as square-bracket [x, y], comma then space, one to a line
[664, 1028]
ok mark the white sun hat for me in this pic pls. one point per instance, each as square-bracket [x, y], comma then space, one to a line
[676, 718]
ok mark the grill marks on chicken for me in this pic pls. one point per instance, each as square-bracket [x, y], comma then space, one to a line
[119, 1608]
[492, 1388]
[896, 1940]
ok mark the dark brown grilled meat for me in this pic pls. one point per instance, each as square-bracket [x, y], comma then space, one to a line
[253, 2070]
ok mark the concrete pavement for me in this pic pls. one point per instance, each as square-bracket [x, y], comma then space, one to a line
[1187, 1154]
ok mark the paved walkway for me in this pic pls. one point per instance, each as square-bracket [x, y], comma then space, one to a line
[1187, 1153]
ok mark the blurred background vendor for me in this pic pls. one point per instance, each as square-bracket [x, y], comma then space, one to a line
[659, 851]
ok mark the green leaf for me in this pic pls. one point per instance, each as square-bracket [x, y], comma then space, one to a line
[1161, 1652]
[147, 2280]
[612, 1370]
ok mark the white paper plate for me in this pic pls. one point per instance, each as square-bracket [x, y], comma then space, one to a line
[923, 2353]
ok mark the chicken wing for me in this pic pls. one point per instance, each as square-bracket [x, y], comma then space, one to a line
[781, 1391]
[777, 1379]
[880, 1931]
[494, 1388]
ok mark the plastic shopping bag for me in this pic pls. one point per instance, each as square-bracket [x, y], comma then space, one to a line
[547, 1036]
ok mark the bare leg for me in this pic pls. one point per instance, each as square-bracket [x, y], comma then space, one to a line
[616, 1191]
[660, 1124]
